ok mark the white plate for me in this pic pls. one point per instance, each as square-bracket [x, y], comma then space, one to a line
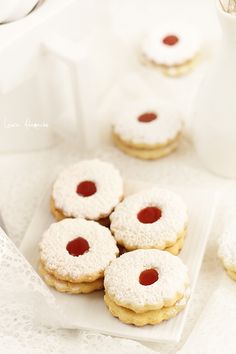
[89, 311]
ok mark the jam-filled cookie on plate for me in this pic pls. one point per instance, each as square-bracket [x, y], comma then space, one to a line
[147, 129]
[153, 218]
[146, 287]
[89, 189]
[74, 254]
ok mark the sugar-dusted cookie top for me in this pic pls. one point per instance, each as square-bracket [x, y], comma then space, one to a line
[148, 122]
[171, 44]
[89, 189]
[77, 250]
[146, 279]
[152, 218]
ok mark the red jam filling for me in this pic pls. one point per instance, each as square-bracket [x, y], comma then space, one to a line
[86, 188]
[170, 40]
[148, 277]
[149, 215]
[147, 117]
[77, 247]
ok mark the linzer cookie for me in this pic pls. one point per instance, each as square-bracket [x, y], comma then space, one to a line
[154, 218]
[227, 250]
[89, 189]
[172, 48]
[147, 129]
[146, 287]
[74, 254]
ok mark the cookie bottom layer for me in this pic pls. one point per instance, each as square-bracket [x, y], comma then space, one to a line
[231, 273]
[153, 153]
[68, 287]
[174, 248]
[174, 70]
[58, 215]
[152, 317]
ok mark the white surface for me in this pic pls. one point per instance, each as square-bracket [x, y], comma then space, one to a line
[89, 311]
[214, 123]
[218, 318]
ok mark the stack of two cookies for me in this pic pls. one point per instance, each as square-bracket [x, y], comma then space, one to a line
[147, 284]
[72, 263]
[146, 287]
[75, 251]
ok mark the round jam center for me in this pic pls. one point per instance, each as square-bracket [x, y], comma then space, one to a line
[148, 277]
[147, 117]
[170, 40]
[86, 188]
[77, 247]
[149, 215]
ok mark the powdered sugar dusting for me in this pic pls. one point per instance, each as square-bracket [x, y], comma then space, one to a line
[186, 48]
[129, 230]
[227, 246]
[122, 278]
[109, 186]
[167, 125]
[53, 253]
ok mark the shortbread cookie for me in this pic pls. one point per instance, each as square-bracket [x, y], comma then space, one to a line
[150, 317]
[60, 216]
[74, 254]
[68, 287]
[177, 247]
[154, 218]
[172, 48]
[146, 286]
[227, 250]
[89, 189]
[147, 129]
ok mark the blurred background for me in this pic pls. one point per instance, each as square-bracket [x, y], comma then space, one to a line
[64, 64]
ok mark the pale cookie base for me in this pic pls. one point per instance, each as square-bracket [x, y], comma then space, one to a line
[58, 215]
[231, 271]
[146, 153]
[176, 248]
[145, 146]
[146, 308]
[231, 274]
[141, 319]
[172, 248]
[174, 70]
[82, 279]
[67, 287]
